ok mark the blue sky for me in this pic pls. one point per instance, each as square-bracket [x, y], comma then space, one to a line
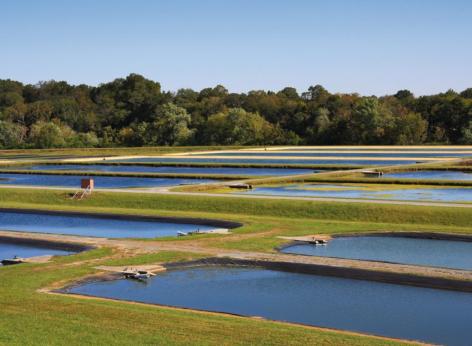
[365, 46]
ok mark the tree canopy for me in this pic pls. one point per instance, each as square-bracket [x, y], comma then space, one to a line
[135, 111]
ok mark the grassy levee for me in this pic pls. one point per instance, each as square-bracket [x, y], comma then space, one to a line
[207, 164]
[124, 151]
[129, 174]
[401, 214]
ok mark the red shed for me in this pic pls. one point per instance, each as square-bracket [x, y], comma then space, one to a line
[87, 184]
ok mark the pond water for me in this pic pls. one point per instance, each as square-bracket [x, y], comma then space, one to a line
[100, 182]
[314, 153]
[383, 309]
[176, 170]
[9, 250]
[416, 251]
[91, 226]
[255, 160]
[441, 175]
[462, 149]
[452, 194]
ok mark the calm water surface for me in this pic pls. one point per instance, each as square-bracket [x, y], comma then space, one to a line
[404, 155]
[442, 175]
[177, 170]
[428, 252]
[383, 309]
[92, 226]
[364, 149]
[100, 182]
[455, 194]
[209, 159]
[9, 250]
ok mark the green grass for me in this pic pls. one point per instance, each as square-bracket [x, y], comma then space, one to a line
[461, 217]
[125, 151]
[28, 317]
[129, 174]
[190, 164]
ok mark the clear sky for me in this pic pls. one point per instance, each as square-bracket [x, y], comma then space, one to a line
[365, 46]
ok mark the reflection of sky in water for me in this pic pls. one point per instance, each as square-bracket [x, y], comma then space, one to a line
[345, 191]
[437, 316]
[9, 250]
[334, 154]
[429, 252]
[445, 175]
[100, 182]
[92, 226]
[391, 148]
[209, 159]
[177, 170]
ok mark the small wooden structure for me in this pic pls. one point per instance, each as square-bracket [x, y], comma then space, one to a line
[240, 186]
[87, 186]
[372, 173]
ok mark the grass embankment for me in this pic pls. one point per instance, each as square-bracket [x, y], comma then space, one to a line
[461, 217]
[126, 151]
[207, 164]
[129, 174]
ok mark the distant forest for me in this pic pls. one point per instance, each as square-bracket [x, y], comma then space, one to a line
[135, 111]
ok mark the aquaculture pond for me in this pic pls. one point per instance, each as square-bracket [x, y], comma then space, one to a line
[354, 153]
[384, 309]
[443, 194]
[92, 226]
[9, 250]
[420, 149]
[433, 175]
[425, 252]
[255, 160]
[100, 182]
[176, 170]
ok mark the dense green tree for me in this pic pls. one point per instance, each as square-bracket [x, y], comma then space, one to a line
[467, 93]
[238, 127]
[404, 94]
[370, 122]
[135, 111]
[11, 135]
[171, 125]
[46, 135]
[467, 134]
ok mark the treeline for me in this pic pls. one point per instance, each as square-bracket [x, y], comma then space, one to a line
[134, 111]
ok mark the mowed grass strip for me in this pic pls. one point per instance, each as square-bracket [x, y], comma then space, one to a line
[367, 212]
[122, 151]
[129, 174]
